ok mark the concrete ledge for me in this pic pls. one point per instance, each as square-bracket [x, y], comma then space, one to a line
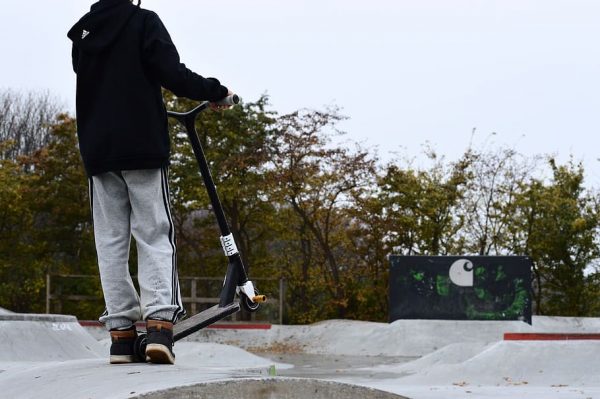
[271, 388]
[43, 338]
[55, 318]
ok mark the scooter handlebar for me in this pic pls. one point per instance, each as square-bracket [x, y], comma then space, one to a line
[229, 100]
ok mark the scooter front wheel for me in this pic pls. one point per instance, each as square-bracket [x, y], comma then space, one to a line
[139, 347]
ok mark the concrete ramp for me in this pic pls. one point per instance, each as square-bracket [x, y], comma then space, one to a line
[271, 388]
[45, 338]
[510, 363]
[359, 338]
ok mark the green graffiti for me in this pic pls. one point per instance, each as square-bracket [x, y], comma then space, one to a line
[419, 276]
[500, 275]
[520, 301]
[480, 292]
[473, 313]
[512, 312]
[442, 285]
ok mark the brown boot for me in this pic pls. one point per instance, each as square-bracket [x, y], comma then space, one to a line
[121, 349]
[159, 348]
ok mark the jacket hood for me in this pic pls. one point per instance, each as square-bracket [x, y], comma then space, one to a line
[100, 27]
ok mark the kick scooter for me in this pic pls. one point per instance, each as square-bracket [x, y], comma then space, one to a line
[236, 279]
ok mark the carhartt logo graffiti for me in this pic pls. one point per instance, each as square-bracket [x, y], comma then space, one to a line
[461, 273]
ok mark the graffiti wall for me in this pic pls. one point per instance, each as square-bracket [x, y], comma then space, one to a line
[460, 288]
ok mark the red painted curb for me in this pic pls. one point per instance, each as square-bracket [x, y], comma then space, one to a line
[550, 336]
[221, 326]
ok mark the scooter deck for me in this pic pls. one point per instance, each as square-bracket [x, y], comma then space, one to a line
[203, 319]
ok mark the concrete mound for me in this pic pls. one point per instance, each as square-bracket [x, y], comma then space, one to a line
[272, 388]
[450, 354]
[511, 363]
[45, 338]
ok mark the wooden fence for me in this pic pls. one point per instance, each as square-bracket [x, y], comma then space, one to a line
[190, 287]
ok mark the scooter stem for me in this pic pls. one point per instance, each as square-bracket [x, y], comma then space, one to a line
[236, 273]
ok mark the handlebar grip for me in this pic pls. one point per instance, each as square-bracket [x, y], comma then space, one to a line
[229, 100]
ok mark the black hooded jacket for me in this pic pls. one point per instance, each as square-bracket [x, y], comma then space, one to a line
[123, 55]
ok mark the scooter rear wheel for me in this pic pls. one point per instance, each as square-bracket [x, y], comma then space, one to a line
[248, 305]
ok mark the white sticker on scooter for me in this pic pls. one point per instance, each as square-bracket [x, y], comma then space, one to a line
[229, 246]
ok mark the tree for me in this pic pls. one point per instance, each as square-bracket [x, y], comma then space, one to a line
[315, 181]
[21, 273]
[557, 225]
[25, 120]
[421, 206]
[488, 203]
[58, 197]
[369, 237]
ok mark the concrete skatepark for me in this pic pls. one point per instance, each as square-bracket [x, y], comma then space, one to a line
[50, 356]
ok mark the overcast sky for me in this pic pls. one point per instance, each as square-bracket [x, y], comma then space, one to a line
[405, 72]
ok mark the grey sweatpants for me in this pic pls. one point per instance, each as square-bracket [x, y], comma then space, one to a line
[135, 202]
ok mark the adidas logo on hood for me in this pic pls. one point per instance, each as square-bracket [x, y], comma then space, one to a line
[106, 19]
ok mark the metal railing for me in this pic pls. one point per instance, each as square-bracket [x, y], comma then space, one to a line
[190, 286]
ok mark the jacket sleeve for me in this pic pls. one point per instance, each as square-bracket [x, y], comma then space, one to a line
[162, 58]
[75, 58]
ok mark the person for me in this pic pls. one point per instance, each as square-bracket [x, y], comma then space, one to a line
[123, 56]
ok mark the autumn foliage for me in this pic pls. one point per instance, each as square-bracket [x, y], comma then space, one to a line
[304, 206]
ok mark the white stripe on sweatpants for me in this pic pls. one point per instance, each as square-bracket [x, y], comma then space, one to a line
[126, 203]
[176, 299]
